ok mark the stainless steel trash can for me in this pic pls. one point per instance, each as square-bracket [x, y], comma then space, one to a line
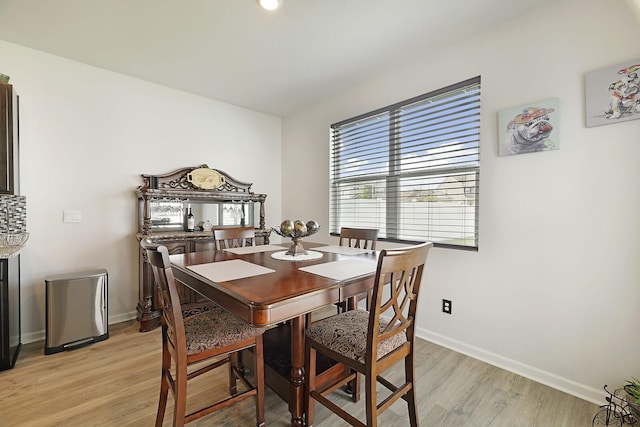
[76, 310]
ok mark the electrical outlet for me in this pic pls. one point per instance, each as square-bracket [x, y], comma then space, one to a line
[446, 306]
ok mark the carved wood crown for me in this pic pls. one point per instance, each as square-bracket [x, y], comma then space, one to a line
[199, 184]
[180, 180]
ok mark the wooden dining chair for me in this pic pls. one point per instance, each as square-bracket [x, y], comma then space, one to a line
[236, 237]
[371, 342]
[362, 238]
[215, 335]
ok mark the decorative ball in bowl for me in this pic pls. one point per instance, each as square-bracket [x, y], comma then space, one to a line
[296, 230]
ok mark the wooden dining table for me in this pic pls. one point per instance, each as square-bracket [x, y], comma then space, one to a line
[279, 295]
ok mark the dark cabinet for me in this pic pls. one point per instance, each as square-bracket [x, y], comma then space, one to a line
[9, 183]
[215, 198]
[9, 311]
[10, 339]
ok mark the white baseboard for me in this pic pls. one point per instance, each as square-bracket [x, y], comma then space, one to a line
[40, 335]
[32, 337]
[581, 391]
[123, 317]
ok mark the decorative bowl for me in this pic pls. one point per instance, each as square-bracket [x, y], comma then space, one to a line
[13, 239]
[296, 230]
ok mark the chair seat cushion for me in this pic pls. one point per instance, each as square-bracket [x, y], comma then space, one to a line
[346, 334]
[216, 328]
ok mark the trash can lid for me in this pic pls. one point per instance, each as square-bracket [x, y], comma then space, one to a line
[75, 275]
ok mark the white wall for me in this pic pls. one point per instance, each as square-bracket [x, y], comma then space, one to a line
[86, 136]
[554, 291]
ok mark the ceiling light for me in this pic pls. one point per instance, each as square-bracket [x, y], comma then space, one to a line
[270, 4]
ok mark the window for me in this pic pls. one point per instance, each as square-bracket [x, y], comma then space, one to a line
[412, 169]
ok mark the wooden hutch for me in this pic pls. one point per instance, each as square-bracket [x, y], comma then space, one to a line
[216, 200]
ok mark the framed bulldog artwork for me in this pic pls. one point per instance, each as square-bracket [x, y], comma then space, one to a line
[613, 94]
[529, 128]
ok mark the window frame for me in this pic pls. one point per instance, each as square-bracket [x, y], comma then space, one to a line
[394, 175]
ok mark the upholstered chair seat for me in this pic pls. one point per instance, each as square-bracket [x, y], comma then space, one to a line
[216, 328]
[346, 334]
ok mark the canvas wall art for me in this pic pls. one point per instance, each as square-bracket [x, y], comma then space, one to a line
[529, 128]
[612, 94]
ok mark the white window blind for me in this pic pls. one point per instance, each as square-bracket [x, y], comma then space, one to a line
[412, 169]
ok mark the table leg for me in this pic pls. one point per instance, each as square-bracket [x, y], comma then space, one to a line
[296, 387]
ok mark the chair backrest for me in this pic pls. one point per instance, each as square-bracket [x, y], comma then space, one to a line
[172, 321]
[364, 238]
[399, 270]
[236, 237]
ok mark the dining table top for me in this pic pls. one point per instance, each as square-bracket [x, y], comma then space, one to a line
[277, 289]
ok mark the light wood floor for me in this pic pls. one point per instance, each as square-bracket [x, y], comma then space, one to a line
[116, 383]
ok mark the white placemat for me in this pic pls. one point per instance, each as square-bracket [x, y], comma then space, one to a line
[341, 270]
[306, 257]
[224, 271]
[254, 249]
[345, 250]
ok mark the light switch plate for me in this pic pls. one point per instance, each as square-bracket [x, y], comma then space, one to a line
[72, 216]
